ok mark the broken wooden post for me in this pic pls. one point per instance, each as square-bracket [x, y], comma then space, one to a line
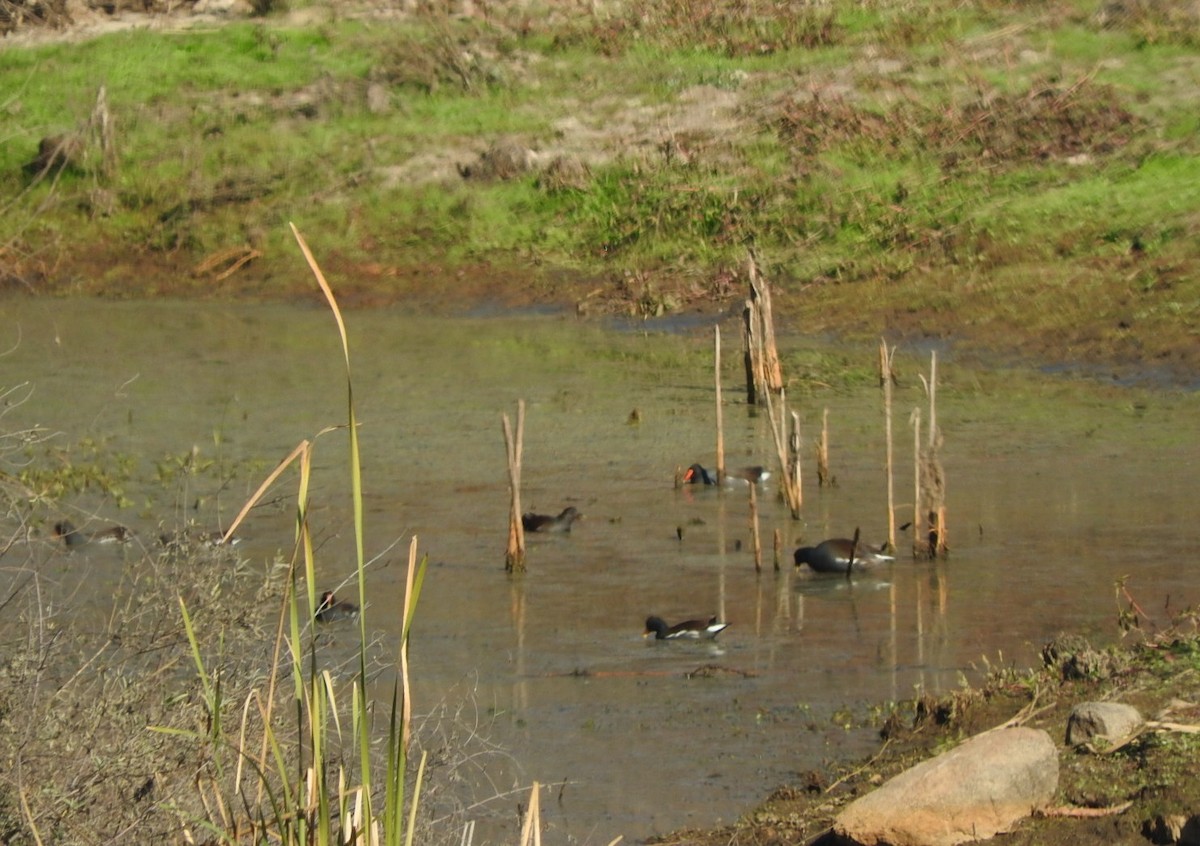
[764, 374]
[514, 557]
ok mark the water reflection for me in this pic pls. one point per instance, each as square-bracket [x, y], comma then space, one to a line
[552, 665]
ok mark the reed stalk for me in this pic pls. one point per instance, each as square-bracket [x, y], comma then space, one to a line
[917, 522]
[720, 410]
[789, 488]
[295, 797]
[823, 476]
[934, 472]
[886, 380]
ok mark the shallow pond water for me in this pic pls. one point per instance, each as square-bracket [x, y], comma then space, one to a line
[1053, 496]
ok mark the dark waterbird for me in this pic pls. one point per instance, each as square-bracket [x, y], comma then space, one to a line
[74, 537]
[693, 629]
[698, 475]
[833, 556]
[547, 523]
[330, 609]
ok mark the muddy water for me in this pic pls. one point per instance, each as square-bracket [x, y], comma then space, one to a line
[546, 677]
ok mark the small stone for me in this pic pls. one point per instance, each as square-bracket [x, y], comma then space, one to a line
[1111, 722]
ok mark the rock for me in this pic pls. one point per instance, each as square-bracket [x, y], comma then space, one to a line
[1109, 721]
[976, 790]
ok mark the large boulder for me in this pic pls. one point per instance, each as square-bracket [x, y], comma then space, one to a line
[979, 789]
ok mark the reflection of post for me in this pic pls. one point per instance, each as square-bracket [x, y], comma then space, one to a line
[517, 613]
[783, 602]
[721, 518]
[756, 538]
[895, 637]
[514, 557]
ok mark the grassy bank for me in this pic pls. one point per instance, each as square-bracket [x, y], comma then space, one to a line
[1020, 175]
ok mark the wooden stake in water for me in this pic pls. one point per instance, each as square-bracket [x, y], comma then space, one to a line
[789, 489]
[754, 535]
[886, 378]
[917, 522]
[764, 375]
[777, 539]
[937, 474]
[720, 417]
[794, 479]
[823, 477]
[514, 557]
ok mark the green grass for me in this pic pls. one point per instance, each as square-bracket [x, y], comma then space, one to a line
[953, 153]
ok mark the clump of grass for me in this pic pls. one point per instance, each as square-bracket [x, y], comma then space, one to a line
[304, 796]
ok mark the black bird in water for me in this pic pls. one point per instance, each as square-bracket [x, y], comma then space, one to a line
[547, 523]
[330, 610]
[74, 537]
[833, 556]
[698, 475]
[691, 629]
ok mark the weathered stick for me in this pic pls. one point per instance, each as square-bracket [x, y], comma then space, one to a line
[514, 556]
[823, 477]
[777, 539]
[917, 522]
[756, 539]
[787, 489]
[933, 473]
[885, 381]
[760, 292]
[720, 415]
[794, 479]
[749, 359]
